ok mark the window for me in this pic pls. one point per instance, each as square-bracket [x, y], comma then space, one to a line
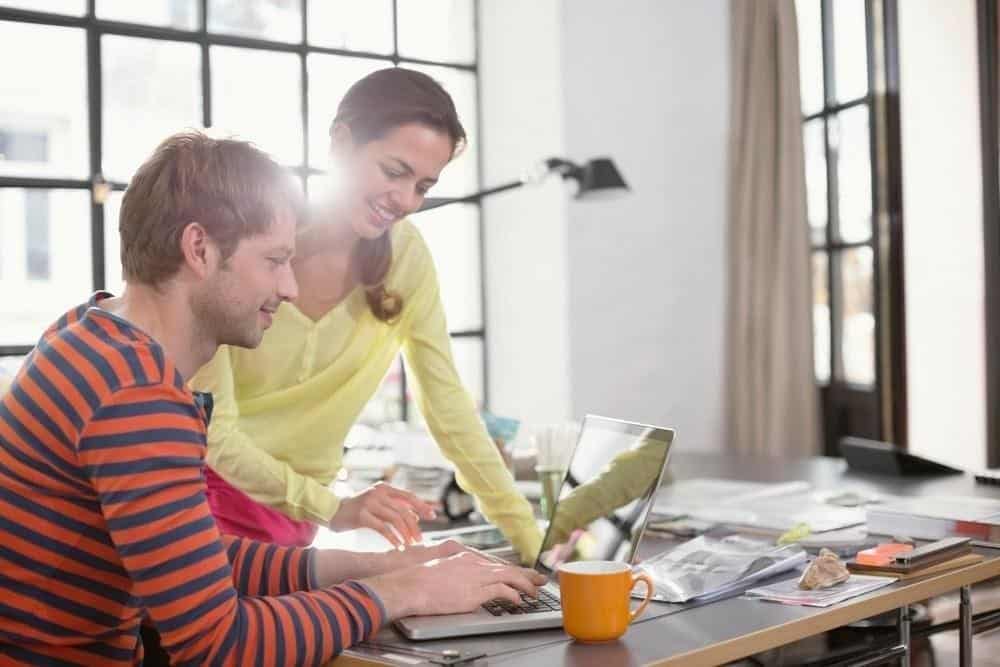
[120, 75]
[850, 133]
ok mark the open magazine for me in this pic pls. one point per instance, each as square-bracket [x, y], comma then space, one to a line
[707, 568]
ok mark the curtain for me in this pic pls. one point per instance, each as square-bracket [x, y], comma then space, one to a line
[772, 400]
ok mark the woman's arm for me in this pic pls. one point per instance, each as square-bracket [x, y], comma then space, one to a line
[233, 454]
[454, 422]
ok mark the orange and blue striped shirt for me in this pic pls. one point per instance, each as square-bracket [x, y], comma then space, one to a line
[103, 521]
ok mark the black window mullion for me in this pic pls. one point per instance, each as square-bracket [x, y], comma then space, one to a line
[95, 120]
[304, 91]
[206, 68]
[832, 190]
[874, 238]
[395, 33]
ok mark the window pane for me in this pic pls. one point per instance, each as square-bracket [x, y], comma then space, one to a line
[821, 317]
[854, 173]
[257, 96]
[356, 25]
[386, 405]
[452, 233]
[850, 49]
[151, 88]
[43, 108]
[9, 366]
[329, 78]
[277, 20]
[45, 259]
[813, 135]
[113, 281]
[461, 177]
[72, 7]
[179, 14]
[442, 30]
[858, 327]
[810, 54]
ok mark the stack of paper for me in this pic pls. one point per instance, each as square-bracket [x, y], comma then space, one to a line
[769, 507]
[788, 591]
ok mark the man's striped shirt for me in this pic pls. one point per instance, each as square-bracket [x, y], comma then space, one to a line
[103, 521]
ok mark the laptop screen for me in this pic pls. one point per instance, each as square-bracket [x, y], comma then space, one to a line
[606, 493]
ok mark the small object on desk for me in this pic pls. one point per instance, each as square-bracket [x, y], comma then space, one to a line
[882, 555]
[797, 533]
[825, 571]
[934, 551]
[886, 459]
[990, 476]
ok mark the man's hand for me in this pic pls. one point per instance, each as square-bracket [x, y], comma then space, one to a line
[382, 508]
[452, 585]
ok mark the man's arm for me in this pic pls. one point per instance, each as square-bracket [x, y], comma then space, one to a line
[143, 451]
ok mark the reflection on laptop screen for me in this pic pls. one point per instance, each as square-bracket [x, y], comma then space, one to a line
[606, 494]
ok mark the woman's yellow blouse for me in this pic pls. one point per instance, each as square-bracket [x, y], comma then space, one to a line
[283, 410]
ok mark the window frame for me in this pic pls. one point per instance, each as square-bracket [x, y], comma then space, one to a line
[877, 411]
[95, 28]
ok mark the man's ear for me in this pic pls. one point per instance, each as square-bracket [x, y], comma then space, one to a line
[201, 254]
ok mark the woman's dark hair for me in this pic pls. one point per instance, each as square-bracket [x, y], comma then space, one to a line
[371, 108]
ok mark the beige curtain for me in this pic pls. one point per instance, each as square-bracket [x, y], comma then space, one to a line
[772, 399]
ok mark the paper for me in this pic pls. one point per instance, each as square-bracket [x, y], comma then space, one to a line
[772, 507]
[788, 591]
[706, 568]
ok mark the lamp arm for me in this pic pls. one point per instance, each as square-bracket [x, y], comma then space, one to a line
[475, 196]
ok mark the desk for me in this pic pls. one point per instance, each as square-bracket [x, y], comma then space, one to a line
[735, 628]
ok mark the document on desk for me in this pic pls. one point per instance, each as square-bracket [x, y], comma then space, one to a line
[788, 591]
[770, 507]
[706, 568]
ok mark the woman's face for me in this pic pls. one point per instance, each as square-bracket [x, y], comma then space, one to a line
[387, 178]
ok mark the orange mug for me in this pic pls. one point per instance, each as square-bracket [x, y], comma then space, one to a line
[595, 598]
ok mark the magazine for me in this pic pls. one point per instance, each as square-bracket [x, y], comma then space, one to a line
[707, 568]
[788, 591]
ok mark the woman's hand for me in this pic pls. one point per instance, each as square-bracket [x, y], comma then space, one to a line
[392, 512]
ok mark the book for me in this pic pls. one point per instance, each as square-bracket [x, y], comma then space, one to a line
[913, 573]
[935, 517]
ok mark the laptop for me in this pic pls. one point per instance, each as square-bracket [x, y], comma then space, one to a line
[603, 503]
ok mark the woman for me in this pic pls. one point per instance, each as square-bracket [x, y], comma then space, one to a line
[367, 287]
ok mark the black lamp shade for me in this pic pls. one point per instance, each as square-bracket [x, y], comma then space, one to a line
[599, 178]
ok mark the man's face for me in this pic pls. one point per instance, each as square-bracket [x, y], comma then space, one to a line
[240, 298]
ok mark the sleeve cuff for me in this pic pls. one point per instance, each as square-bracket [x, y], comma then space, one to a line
[367, 590]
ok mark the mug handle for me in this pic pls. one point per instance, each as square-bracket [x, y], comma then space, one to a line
[644, 578]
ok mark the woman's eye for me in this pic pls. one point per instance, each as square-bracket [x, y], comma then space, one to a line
[391, 173]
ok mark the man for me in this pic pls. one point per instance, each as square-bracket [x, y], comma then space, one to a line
[103, 519]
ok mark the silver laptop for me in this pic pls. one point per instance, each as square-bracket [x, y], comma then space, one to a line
[604, 500]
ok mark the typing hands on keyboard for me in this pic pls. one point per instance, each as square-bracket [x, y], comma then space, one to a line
[544, 602]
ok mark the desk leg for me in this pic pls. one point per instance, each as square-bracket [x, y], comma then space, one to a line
[965, 627]
[904, 634]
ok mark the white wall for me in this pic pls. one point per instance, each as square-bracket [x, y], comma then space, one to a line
[943, 230]
[525, 267]
[623, 298]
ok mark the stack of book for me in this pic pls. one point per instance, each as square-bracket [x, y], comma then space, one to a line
[906, 562]
[934, 517]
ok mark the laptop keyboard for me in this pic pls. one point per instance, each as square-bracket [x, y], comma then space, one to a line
[544, 602]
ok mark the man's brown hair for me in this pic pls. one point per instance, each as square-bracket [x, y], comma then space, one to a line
[229, 187]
